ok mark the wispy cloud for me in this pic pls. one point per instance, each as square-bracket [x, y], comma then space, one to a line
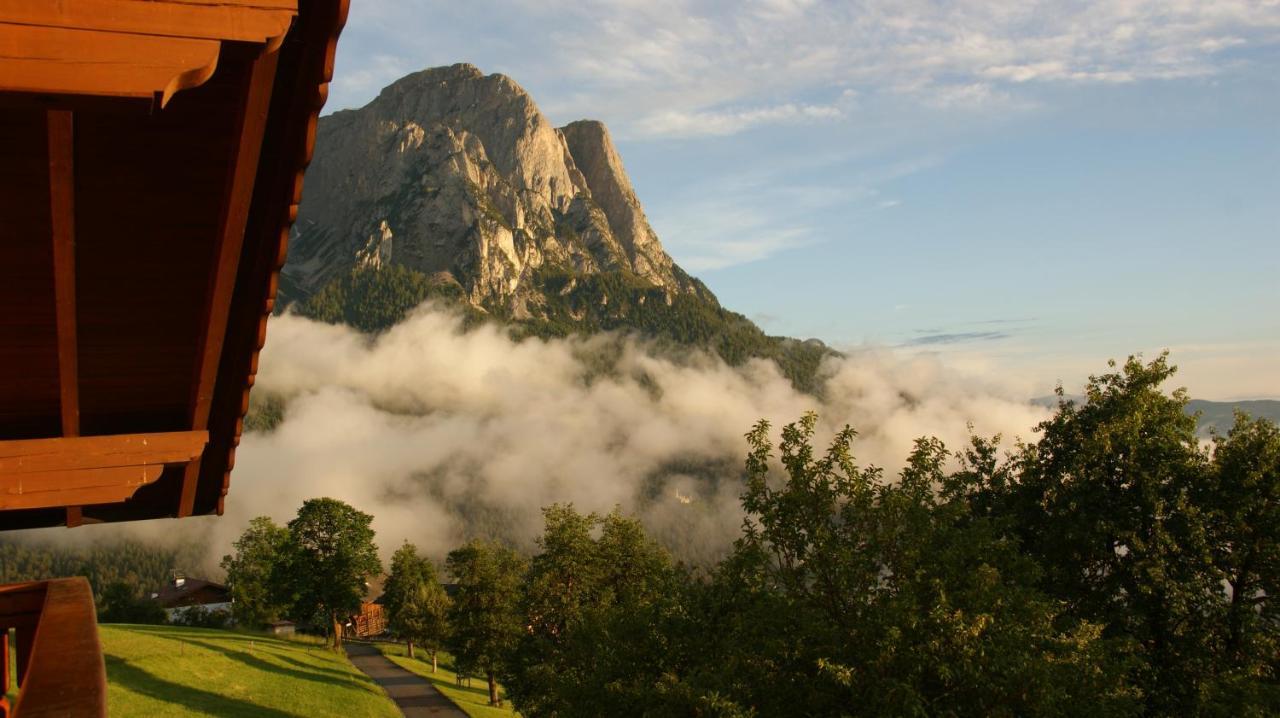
[701, 123]
[954, 338]
[686, 68]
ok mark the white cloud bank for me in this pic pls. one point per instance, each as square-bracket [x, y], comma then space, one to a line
[413, 424]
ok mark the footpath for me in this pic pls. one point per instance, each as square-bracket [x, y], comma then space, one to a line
[415, 695]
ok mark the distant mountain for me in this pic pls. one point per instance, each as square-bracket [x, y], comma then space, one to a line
[1220, 415]
[452, 184]
[458, 175]
[1216, 416]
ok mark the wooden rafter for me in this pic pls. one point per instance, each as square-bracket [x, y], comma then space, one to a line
[222, 280]
[61, 134]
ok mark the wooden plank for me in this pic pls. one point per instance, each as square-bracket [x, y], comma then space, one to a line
[81, 487]
[89, 452]
[66, 675]
[86, 62]
[222, 280]
[261, 21]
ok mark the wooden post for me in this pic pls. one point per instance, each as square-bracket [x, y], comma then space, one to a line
[4, 671]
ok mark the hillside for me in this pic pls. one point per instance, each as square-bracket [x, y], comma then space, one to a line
[452, 185]
[172, 671]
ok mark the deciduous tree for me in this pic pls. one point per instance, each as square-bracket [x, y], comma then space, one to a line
[485, 618]
[329, 556]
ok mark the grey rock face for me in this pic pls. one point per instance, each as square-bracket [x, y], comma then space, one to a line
[458, 175]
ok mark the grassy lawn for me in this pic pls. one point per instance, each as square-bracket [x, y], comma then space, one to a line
[175, 671]
[473, 700]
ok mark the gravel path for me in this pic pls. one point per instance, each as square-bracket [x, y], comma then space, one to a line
[415, 695]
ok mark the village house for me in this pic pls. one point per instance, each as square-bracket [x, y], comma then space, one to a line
[182, 594]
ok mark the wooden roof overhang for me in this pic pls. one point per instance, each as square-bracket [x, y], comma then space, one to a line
[151, 158]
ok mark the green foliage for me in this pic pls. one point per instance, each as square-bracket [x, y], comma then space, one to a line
[416, 604]
[251, 572]
[485, 618]
[1242, 500]
[596, 580]
[374, 299]
[119, 602]
[327, 558]
[1107, 506]
[1115, 567]
[200, 617]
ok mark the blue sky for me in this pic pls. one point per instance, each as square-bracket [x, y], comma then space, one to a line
[1025, 189]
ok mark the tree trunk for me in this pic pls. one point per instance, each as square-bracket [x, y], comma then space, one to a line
[433, 660]
[337, 631]
[493, 690]
[410, 648]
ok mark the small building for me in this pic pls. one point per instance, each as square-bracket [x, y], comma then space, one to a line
[281, 628]
[182, 594]
[371, 621]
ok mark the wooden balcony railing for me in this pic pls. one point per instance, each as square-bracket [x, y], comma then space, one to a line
[59, 659]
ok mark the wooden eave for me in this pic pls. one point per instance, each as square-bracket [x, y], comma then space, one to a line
[151, 160]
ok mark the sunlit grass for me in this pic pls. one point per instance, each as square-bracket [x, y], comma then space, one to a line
[176, 671]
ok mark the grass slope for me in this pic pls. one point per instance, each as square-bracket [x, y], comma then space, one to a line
[473, 700]
[176, 671]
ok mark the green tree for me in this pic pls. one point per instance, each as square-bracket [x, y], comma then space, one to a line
[1242, 499]
[416, 603]
[485, 618]
[595, 579]
[1107, 504]
[329, 556]
[251, 572]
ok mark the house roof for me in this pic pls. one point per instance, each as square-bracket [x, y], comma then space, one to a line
[192, 592]
[151, 159]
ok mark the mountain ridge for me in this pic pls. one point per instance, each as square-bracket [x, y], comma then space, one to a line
[452, 185]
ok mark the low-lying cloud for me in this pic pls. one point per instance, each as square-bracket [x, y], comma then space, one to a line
[442, 433]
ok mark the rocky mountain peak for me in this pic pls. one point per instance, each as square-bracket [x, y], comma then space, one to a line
[458, 175]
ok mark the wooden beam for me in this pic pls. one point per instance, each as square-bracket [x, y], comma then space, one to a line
[79, 487]
[54, 60]
[255, 21]
[62, 206]
[93, 452]
[222, 280]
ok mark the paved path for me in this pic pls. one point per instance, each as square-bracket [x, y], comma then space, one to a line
[415, 695]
